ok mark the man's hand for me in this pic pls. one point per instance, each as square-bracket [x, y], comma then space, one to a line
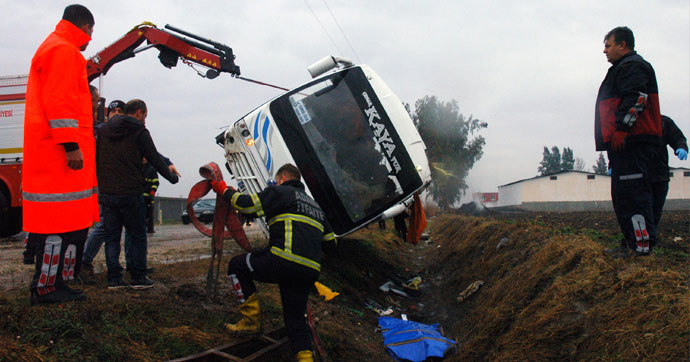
[173, 169]
[682, 154]
[618, 140]
[75, 159]
[219, 187]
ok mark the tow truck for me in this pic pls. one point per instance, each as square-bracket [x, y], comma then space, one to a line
[172, 43]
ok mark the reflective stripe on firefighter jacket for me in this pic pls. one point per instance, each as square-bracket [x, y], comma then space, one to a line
[57, 199]
[296, 223]
[628, 101]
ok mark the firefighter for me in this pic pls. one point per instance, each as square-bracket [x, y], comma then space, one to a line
[297, 226]
[59, 171]
[659, 178]
[150, 189]
[628, 126]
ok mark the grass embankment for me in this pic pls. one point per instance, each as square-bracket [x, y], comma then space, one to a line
[551, 294]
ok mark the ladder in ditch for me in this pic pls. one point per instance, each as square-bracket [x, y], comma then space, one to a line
[242, 351]
[257, 348]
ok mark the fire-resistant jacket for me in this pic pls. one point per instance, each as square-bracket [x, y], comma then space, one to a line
[296, 223]
[56, 198]
[628, 101]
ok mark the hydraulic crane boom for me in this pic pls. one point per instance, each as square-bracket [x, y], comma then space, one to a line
[215, 56]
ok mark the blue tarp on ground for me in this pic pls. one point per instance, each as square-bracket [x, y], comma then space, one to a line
[413, 341]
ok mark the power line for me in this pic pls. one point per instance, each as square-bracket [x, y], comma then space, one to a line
[341, 31]
[324, 28]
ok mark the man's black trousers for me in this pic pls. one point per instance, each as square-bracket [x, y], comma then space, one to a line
[632, 195]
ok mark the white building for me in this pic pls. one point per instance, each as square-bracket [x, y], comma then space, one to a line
[581, 191]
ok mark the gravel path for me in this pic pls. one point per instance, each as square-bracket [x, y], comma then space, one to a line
[169, 244]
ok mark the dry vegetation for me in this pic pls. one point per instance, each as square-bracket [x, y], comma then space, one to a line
[549, 293]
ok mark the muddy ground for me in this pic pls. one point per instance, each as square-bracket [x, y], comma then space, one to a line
[549, 293]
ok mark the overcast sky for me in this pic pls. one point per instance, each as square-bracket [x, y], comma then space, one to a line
[530, 69]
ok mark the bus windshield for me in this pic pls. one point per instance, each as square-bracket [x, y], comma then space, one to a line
[358, 154]
[345, 145]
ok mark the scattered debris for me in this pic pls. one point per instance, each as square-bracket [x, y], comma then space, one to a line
[389, 286]
[470, 290]
[413, 283]
[413, 341]
[325, 291]
[377, 308]
[502, 243]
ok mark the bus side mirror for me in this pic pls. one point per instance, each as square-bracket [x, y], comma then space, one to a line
[326, 64]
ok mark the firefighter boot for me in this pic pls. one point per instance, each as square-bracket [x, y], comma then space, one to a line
[250, 322]
[305, 356]
[61, 295]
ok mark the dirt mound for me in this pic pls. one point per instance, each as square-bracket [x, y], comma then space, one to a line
[554, 296]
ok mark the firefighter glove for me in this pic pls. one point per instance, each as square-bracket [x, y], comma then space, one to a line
[618, 140]
[682, 154]
[219, 186]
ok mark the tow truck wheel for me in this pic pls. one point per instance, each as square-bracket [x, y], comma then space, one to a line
[10, 217]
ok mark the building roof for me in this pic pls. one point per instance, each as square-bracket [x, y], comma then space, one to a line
[576, 171]
[552, 174]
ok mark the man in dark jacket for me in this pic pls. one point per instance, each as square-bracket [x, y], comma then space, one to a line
[672, 136]
[297, 226]
[122, 144]
[628, 126]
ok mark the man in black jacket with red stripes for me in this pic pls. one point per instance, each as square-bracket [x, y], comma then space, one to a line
[628, 126]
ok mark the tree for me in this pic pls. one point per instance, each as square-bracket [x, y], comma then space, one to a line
[451, 148]
[600, 167]
[568, 159]
[580, 164]
[551, 161]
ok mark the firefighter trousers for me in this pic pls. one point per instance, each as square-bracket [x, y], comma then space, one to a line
[58, 259]
[294, 285]
[632, 195]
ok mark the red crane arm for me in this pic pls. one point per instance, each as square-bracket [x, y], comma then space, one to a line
[212, 55]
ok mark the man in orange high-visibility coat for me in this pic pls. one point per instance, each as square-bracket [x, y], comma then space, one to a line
[59, 172]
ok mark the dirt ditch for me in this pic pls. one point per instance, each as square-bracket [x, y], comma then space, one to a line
[547, 293]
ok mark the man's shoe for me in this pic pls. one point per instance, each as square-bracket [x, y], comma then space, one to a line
[77, 280]
[87, 270]
[86, 274]
[72, 291]
[641, 254]
[620, 252]
[142, 283]
[61, 295]
[118, 284]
